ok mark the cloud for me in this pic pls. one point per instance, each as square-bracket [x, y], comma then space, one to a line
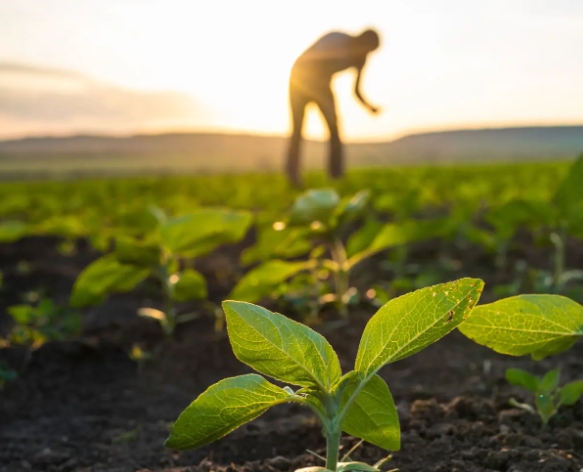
[44, 100]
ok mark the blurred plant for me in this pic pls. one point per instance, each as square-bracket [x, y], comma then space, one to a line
[548, 397]
[316, 225]
[158, 255]
[6, 374]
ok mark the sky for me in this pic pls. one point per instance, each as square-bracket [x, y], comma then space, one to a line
[128, 66]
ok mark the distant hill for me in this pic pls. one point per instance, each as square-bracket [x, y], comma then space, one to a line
[214, 152]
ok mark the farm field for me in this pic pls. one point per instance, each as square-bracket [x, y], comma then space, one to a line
[111, 321]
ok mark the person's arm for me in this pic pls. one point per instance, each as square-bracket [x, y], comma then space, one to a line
[358, 93]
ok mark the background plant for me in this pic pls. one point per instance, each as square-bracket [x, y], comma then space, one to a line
[159, 255]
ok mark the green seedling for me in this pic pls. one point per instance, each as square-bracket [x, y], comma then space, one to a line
[358, 402]
[159, 255]
[548, 396]
[317, 225]
[44, 321]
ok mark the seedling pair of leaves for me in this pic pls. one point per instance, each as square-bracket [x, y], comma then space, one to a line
[316, 225]
[548, 396]
[358, 402]
[158, 255]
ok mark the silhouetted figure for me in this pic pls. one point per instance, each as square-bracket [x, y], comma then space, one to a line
[310, 81]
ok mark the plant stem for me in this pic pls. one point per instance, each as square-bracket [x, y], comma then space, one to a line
[340, 275]
[558, 239]
[332, 448]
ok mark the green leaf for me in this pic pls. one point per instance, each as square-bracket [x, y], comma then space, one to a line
[191, 285]
[549, 382]
[261, 281]
[571, 392]
[203, 230]
[285, 243]
[521, 378]
[409, 231]
[314, 205]
[22, 314]
[363, 238]
[222, 408]
[408, 324]
[570, 193]
[545, 407]
[350, 208]
[279, 347]
[11, 231]
[540, 325]
[130, 251]
[104, 276]
[356, 466]
[372, 416]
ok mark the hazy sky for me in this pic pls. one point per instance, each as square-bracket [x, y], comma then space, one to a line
[123, 66]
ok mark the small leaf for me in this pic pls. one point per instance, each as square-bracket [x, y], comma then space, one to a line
[152, 313]
[408, 324]
[279, 347]
[222, 408]
[372, 416]
[314, 205]
[571, 392]
[545, 407]
[549, 382]
[191, 285]
[203, 230]
[271, 243]
[104, 276]
[363, 238]
[261, 281]
[356, 466]
[130, 251]
[521, 378]
[540, 325]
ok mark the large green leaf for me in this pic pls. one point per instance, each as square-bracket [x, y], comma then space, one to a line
[222, 408]
[191, 285]
[203, 230]
[130, 251]
[571, 392]
[104, 276]
[540, 325]
[314, 205]
[570, 193]
[372, 416]
[408, 324]
[264, 279]
[279, 347]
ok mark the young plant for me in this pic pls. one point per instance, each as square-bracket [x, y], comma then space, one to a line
[548, 397]
[316, 225]
[159, 256]
[39, 323]
[358, 402]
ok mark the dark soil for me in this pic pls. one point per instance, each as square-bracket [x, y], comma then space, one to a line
[84, 406]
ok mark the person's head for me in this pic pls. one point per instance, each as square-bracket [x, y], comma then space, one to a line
[368, 40]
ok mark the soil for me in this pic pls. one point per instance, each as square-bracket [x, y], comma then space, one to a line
[84, 405]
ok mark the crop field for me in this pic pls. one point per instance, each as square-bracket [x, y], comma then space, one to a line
[459, 286]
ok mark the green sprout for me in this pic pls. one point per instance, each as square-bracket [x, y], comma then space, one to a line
[548, 396]
[358, 403]
[159, 256]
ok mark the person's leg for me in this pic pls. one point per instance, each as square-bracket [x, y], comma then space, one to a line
[298, 103]
[327, 106]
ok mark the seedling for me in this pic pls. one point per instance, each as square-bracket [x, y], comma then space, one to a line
[159, 256]
[316, 225]
[358, 402]
[548, 397]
